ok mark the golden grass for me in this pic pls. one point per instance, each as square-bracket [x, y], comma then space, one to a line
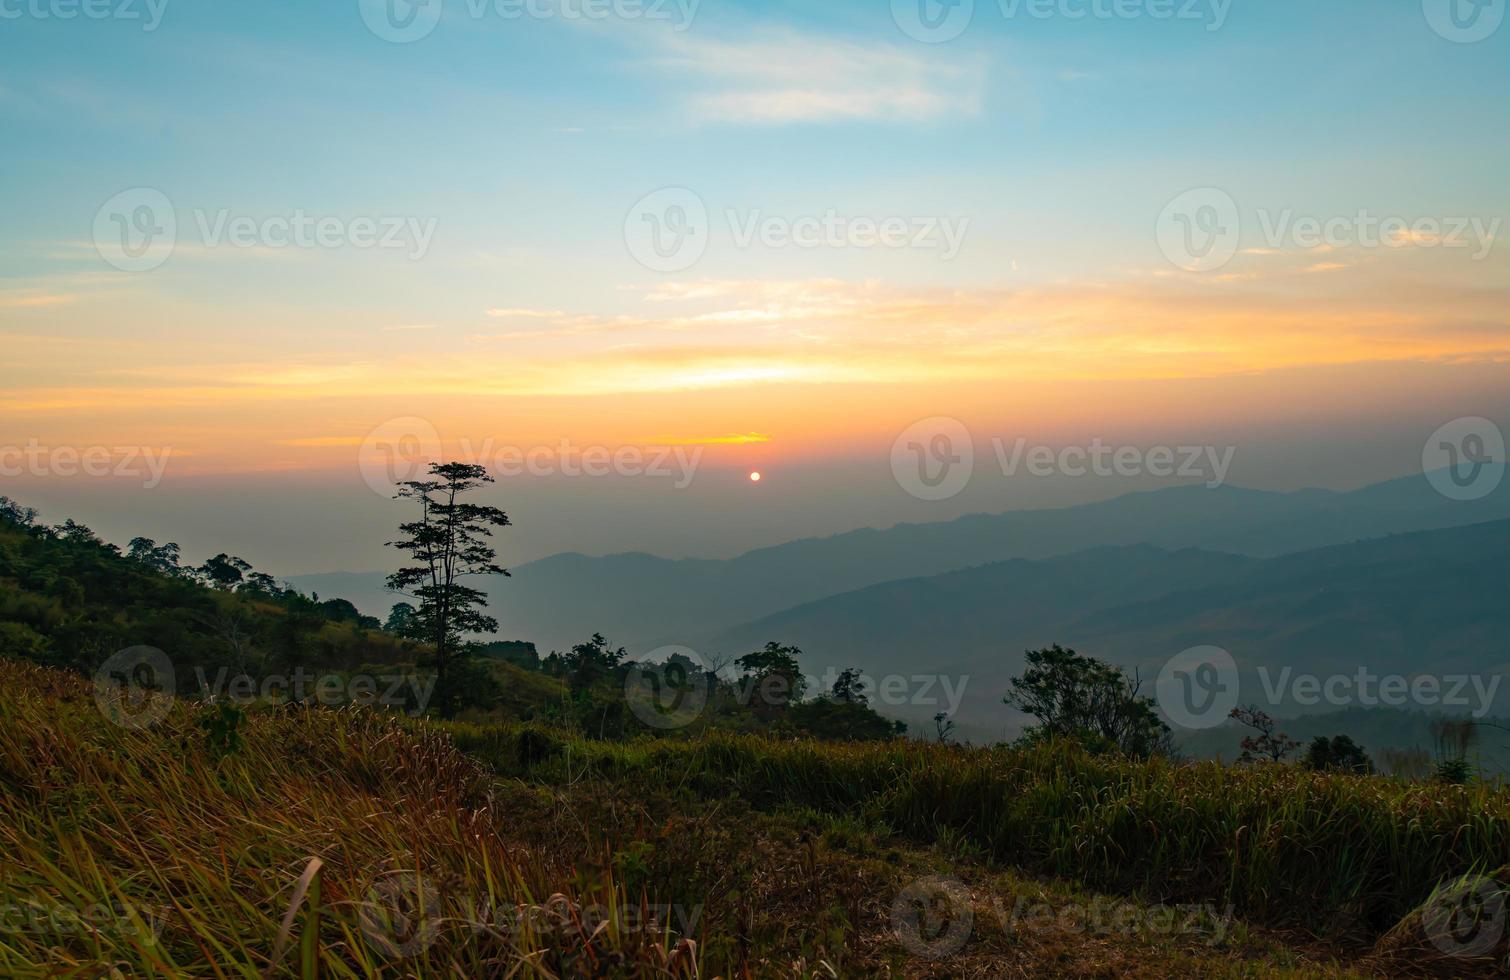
[143, 853]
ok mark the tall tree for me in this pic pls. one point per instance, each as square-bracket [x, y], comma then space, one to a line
[448, 543]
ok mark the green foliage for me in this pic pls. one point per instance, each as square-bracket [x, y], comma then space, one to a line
[1075, 696]
[222, 725]
[842, 721]
[773, 677]
[69, 599]
[1339, 753]
[1453, 772]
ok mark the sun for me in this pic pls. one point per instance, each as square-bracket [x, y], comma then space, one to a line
[755, 477]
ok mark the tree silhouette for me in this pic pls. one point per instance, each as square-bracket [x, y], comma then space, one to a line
[447, 543]
[849, 688]
[1080, 697]
[1268, 743]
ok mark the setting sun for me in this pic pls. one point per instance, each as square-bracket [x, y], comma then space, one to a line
[755, 477]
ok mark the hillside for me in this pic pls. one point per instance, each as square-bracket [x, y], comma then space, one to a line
[648, 601]
[376, 848]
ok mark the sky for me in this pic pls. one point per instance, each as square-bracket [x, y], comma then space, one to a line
[262, 258]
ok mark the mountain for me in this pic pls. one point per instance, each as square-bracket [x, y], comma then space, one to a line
[645, 601]
[1426, 602]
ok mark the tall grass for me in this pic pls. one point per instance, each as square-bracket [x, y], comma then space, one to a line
[325, 843]
[1334, 853]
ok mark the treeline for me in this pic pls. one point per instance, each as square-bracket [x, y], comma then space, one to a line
[70, 599]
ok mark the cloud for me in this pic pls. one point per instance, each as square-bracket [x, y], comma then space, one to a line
[795, 79]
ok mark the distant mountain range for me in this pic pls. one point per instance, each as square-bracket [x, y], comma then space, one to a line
[644, 601]
[1428, 602]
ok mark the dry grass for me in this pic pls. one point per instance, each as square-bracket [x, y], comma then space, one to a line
[185, 864]
[348, 843]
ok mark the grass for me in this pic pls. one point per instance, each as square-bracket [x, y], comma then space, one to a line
[299, 853]
[311, 843]
[1346, 855]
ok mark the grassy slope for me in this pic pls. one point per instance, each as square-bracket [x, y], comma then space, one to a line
[790, 856]
[796, 874]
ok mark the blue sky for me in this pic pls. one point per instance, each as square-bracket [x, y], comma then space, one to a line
[524, 146]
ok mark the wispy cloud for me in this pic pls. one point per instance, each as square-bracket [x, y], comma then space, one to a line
[795, 78]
